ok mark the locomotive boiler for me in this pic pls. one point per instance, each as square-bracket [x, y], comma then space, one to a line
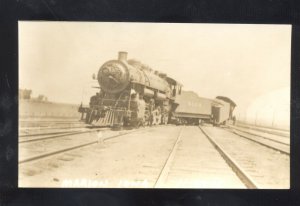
[131, 94]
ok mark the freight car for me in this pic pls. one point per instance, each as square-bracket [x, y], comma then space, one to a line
[192, 109]
[222, 110]
[131, 94]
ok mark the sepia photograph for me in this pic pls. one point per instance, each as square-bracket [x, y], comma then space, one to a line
[154, 105]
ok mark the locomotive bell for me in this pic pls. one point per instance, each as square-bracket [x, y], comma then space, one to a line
[113, 76]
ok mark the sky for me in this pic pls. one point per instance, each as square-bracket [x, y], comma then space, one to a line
[242, 62]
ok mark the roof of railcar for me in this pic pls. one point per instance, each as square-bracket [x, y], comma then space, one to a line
[226, 99]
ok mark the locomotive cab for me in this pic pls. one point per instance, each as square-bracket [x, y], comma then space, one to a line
[175, 87]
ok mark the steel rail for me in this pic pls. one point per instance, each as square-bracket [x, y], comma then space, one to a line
[166, 168]
[44, 134]
[241, 174]
[30, 129]
[261, 143]
[59, 135]
[30, 159]
[268, 138]
[279, 132]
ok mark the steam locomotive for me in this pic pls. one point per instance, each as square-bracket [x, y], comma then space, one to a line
[133, 94]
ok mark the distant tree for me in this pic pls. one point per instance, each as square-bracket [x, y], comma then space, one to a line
[40, 97]
[25, 94]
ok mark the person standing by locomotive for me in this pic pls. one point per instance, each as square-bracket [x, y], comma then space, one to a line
[234, 120]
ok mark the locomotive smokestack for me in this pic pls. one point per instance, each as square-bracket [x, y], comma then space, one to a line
[122, 56]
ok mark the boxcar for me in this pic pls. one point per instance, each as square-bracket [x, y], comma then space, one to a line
[222, 110]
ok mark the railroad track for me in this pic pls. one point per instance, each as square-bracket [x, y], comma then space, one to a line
[279, 132]
[40, 134]
[254, 165]
[43, 124]
[167, 165]
[27, 132]
[208, 157]
[49, 150]
[172, 166]
[49, 121]
[36, 128]
[50, 126]
[282, 138]
[52, 135]
[274, 142]
[240, 172]
[242, 158]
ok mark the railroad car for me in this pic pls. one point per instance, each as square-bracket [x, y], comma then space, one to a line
[222, 110]
[131, 94]
[193, 109]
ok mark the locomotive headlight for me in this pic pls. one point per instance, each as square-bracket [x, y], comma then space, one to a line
[113, 76]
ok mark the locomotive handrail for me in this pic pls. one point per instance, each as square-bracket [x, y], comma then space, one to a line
[146, 77]
[120, 100]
